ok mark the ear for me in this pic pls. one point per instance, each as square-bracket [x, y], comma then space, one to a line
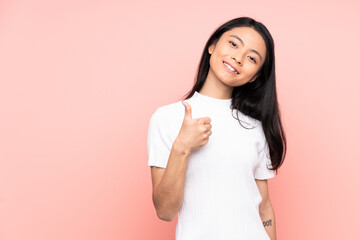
[211, 48]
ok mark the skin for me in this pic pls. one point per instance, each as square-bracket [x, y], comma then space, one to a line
[220, 84]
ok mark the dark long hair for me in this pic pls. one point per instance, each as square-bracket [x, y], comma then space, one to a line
[256, 99]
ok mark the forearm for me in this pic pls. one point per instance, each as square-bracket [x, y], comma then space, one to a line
[268, 219]
[170, 192]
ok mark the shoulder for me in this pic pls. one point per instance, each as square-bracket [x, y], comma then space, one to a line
[249, 122]
[260, 135]
[257, 131]
[166, 112]
[170, 108]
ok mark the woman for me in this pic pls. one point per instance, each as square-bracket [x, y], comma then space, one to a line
[205, 163]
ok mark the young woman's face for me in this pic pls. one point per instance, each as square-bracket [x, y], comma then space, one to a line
[244, 49]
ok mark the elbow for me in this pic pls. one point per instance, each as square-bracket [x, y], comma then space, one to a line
[165, 210]
[166, 213]
[265, 207]
[165, 217]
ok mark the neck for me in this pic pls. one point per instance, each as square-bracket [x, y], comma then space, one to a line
[213, 87]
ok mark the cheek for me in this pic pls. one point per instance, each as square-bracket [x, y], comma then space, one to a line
[214, 61]
[251, 69]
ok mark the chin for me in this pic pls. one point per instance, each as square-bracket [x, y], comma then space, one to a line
[229, 82]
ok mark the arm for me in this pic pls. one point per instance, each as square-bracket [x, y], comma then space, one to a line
[168, 194]
[169, 183]
[266, 210]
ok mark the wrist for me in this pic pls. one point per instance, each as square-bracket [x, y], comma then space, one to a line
[180, 147]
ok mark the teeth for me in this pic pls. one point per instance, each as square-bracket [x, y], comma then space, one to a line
[232, 69]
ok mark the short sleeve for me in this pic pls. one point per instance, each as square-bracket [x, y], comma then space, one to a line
[262, 171]
[158, 143]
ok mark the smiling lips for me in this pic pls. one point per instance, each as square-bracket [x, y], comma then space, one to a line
[230, 68]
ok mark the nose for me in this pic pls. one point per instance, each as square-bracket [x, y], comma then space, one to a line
[237, 60]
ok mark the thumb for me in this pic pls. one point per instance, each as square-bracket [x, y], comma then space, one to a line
[187, 110]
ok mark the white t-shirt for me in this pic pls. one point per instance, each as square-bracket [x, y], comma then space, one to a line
[221, 198]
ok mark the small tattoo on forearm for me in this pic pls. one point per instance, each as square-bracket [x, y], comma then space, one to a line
[267, 223]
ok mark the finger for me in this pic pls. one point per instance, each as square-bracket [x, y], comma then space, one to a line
[206, 120]
[207, 127]
[188, 113]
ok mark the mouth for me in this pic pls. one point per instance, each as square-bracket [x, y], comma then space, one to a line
[230, 68]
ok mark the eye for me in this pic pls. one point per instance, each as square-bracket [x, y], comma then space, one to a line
[231, 42]
[234, 44]
[253, 59]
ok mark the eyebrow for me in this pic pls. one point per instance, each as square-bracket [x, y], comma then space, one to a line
[252, 50]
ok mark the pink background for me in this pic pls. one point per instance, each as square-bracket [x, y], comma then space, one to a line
[80, 80]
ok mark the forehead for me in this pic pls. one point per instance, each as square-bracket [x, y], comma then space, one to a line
[251, 38]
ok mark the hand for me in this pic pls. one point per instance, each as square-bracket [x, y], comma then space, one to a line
[194, 133]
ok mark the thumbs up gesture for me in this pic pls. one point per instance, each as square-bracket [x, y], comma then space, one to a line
[194, 133]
